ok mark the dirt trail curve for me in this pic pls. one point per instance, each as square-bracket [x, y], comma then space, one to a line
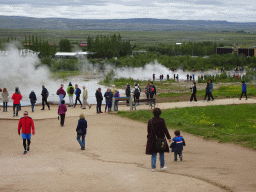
[114, 159]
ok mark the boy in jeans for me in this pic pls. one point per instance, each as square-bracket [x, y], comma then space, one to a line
[177, 145]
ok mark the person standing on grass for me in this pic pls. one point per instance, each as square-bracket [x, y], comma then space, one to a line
[77, 93]
[193, 95]
[62, 93]
[157, 129]
[85, 97]
[108, 97]
[211, 89]
[99, 99]
[26, 123]
[16, 97]
[70, 91]
[207, 92]
[32, 97]
[62, 112]
[81, 130]
[45, 95]
[177, 145]
[5, 95]
[244, 90]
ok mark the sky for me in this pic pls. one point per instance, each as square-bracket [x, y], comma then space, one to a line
[228, 10]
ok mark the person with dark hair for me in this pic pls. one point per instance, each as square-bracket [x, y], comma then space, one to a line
[61, 93]
[207, 92]
[108, 97]
[136, 92]
[99, 99]
[128, 93]
[174, 77]
[5, 95]
[81, 130]
[32, 97]
[211, 88]
[152, 90]
[16, 97]
[154, 76]
[177, 145]
[190, 77]
[77, 93]
[62, 112]
[26, 123]
[147, 90]
[70, 92]
[244, 90]
[193, 90]
[45, 95]
[187, 77]
[157, 129]
[168, 77]
[116, 102]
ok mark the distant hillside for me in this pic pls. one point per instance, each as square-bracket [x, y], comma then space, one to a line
[141, 24]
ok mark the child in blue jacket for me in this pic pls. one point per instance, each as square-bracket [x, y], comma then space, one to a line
[244, 90]
[177, 145]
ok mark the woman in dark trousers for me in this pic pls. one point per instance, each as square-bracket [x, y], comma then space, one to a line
[62, 112]
[32, 97]
[157, 128]
[81, 131]
[193, 95]
[207, 92]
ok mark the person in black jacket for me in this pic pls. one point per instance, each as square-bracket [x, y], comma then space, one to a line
[128, 93]
[193, 95]
[99, 99]
[45, 95]
[207, 92]
[32, 97]
[82, 127]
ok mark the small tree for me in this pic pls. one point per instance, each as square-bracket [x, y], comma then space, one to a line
[65, 45]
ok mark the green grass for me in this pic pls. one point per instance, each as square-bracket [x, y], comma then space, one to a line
[65, 74]
[232, 123]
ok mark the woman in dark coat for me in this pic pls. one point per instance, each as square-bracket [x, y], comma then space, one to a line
[157, 128]
[82, 125]
[32, 97]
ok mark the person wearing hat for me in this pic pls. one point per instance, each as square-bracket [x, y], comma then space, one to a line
[32, 97]
[85, 97]
[16, 97]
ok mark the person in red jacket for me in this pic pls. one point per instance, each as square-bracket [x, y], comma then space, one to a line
[26, 123]
[16, 97]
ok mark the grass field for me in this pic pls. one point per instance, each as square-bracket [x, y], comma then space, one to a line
[233, 123]
[141, 38]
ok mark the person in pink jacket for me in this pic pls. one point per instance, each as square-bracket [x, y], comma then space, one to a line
[62, 112]
[62, 93]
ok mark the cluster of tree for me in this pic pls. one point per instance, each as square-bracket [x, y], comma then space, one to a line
[39, 45]
[56, 65]
[108, 46]
[190, 48]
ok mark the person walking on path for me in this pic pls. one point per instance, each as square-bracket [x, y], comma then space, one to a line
[116, 102]
[61, 93]
[32, 97]
[77, 93]
[45, 95]
[157, 129]
[244, 90]
[62, 112]
[211, 89]
[108, 97]
[207, 92]
[16, 97]
[5, 95]
[85, 97]
[128, 93]
[193, 95]
[81, 131]
[26, 123]
[99, 99]
[177, 145]
[70, 92]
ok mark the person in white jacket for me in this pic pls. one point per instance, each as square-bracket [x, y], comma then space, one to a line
[85, 97]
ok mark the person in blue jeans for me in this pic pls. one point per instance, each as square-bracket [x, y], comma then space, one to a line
[157, 129]
[244, 90]
[177, 145]
[82, 127]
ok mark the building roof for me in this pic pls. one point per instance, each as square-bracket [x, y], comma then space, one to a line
[82, 53]
[65, 54]
[83, 44]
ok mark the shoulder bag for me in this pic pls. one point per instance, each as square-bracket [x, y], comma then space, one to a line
[161, 143]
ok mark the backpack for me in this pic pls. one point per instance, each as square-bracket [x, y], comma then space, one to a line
[71, 90]
[78, 91]
[136, 91]
[58, 92]
[47, 93]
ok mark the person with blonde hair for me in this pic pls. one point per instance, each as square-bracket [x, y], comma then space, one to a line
[81, 130]
[85, 97]
[5, 95]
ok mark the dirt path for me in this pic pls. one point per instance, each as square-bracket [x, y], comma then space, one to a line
[114, 159]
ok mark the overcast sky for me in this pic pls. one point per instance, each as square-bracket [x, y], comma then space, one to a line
[229, 10]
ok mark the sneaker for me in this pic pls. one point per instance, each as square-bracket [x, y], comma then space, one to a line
[13, 115]
[180, 158]
[246, 99]
[81, 106]
[153, 169]
[25, 152]
[190, 101]
[90, 107]
[42, 109]
[239, 98]
[74, 106]
[204, 100]
[27, 147]
[49, 108]
[163, 168]
[101, 112]
[84, 108]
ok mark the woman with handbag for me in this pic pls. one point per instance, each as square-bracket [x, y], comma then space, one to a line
[156, 141]
[81, 131]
